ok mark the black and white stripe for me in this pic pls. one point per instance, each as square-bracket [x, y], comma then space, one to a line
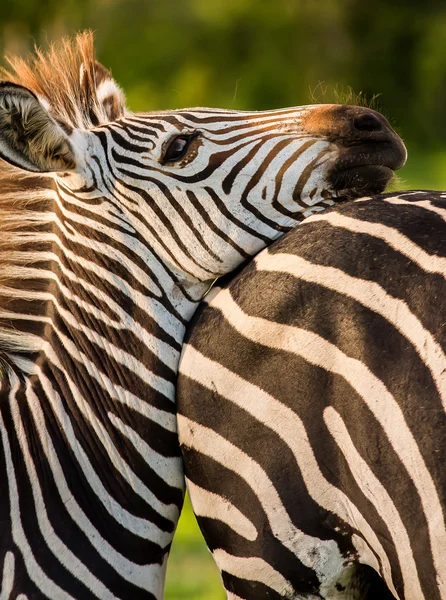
[105, 251]
[311, 399]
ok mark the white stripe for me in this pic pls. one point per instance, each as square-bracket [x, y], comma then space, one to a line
[382, 404]
[155, 309]
[376, 493]
[366, 555]
[426, 204]
[210, 505]
[371, 295]
[16, 340]
[253, 569]
[156, 382]
[289, 178]
[156, 244]
[157, 268]
[123, 321]
[396, 240]
[176, 224]
[8, 575]
[115, 392]
[207, 441]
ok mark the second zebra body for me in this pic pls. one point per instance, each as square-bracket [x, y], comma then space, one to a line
[312, 397]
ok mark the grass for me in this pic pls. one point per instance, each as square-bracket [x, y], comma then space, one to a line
[192, 574]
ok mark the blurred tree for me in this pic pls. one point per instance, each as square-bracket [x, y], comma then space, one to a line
[252, 54]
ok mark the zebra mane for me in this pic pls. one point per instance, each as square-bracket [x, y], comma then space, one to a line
[26, 202]
[80, 93]
[77, 90]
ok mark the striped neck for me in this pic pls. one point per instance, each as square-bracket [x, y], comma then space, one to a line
[92, 348]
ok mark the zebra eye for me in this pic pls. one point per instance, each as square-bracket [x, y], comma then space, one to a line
[177, 147]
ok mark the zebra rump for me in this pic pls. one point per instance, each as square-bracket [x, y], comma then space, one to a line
[311, 406]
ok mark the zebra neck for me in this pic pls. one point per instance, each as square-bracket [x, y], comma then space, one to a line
[96, 289]
[90, 339]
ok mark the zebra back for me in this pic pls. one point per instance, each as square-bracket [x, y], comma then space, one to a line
[311, 404]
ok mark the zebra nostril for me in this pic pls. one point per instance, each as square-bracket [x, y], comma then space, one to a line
[367, 121]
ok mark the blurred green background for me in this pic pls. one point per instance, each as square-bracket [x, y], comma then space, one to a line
[258, 54]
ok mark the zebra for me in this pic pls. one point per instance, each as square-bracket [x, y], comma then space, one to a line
[113, 226]
[311, 408]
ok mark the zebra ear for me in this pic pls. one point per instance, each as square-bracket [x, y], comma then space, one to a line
[109, 94]
[29, 137]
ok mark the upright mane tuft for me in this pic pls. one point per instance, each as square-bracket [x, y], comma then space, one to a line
[77, 90]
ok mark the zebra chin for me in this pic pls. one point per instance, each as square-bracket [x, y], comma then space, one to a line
[363, 180]
[367, 169]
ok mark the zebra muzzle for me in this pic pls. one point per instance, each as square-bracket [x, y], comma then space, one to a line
[369, 150]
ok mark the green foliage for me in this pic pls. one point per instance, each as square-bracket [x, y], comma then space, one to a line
[253, 54]
[424, 170]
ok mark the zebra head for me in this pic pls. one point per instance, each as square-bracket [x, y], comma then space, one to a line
[205, 188]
